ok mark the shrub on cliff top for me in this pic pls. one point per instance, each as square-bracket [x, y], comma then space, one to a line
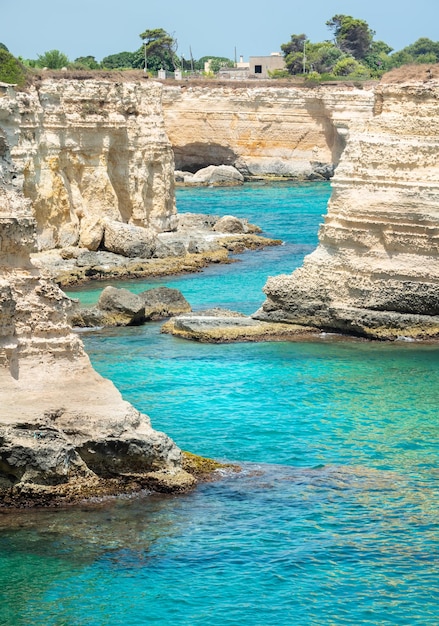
[11, 70]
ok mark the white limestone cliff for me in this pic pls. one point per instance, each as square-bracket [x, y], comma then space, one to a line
[65, 432]
[376, 269]
[89, 150]
[277, 130]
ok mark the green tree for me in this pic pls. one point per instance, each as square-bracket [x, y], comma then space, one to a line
[424, 50]
[402, 57]
[11, 70]
[159, 48]
[216, 63]
[121, 60]
[378, 60]
[88, 62]
[352, 36]
[321, 57]
[294, 52]
[3, 47]
[348, 66]
[53, 60]
[424, 47]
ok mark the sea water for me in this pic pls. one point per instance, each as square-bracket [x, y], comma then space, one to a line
[333, 518]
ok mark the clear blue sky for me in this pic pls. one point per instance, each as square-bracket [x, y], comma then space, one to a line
[103, 27]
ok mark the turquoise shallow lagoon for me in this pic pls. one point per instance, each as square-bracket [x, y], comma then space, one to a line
[334, 518]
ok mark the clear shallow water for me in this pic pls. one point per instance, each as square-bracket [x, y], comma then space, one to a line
[334, 518]
[291, 213]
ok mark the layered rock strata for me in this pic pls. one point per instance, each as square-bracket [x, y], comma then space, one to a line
[263, 129]
[86, 151]
[65, 432]
[376, 269]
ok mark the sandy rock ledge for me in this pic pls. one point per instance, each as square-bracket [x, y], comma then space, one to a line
[223, 326]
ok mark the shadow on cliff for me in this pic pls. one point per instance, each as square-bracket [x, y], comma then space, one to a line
[335, 137]
[194, 156]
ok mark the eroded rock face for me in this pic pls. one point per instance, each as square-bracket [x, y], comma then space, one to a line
[263, 130]
[61, 424]
[89, 150]
[376, 269]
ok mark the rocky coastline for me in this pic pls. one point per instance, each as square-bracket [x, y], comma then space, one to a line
[87, 193]
[375, 272]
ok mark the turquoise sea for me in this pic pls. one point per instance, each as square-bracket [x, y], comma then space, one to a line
[333, 519]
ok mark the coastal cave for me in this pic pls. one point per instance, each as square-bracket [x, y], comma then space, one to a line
[195, 156]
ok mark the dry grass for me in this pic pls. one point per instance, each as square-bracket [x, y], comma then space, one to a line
[116, 76]
[36, 76]
[412, 73]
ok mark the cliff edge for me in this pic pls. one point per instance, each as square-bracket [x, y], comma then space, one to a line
[65, 432]
[375, 271]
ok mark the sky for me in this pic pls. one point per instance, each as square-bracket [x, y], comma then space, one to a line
[227, 28]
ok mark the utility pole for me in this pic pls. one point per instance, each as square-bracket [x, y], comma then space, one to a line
[146, 62]
[304, 56]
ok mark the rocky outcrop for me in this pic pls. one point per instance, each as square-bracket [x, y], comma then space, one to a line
[376, 269]
[273, 130]
[224, 326]
[161, 302]
[220, 175]
[121, 307]
[89, 150]
[65, 432]
[197, 241]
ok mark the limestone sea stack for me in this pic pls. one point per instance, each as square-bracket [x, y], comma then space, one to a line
[65, 432]
[376, 269]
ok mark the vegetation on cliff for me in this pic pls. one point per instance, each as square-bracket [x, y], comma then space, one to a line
[353, 53]
[11, 70]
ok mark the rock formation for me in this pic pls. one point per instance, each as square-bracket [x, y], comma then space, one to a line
[263, 129]
[376, 269]
[121, 307]
[65, 432]
[89, 150]
[224, 326]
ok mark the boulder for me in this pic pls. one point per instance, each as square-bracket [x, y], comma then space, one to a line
[183, 177]
[121, 307]
[195, 221]
[218, 175]
[91, 233]
[129, 240]
[161, 302]
[170, 247]
[230, 224]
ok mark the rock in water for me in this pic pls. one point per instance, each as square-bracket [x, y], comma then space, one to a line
[65, 432]
[217, 175]
[162, 302]
[121, 307]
